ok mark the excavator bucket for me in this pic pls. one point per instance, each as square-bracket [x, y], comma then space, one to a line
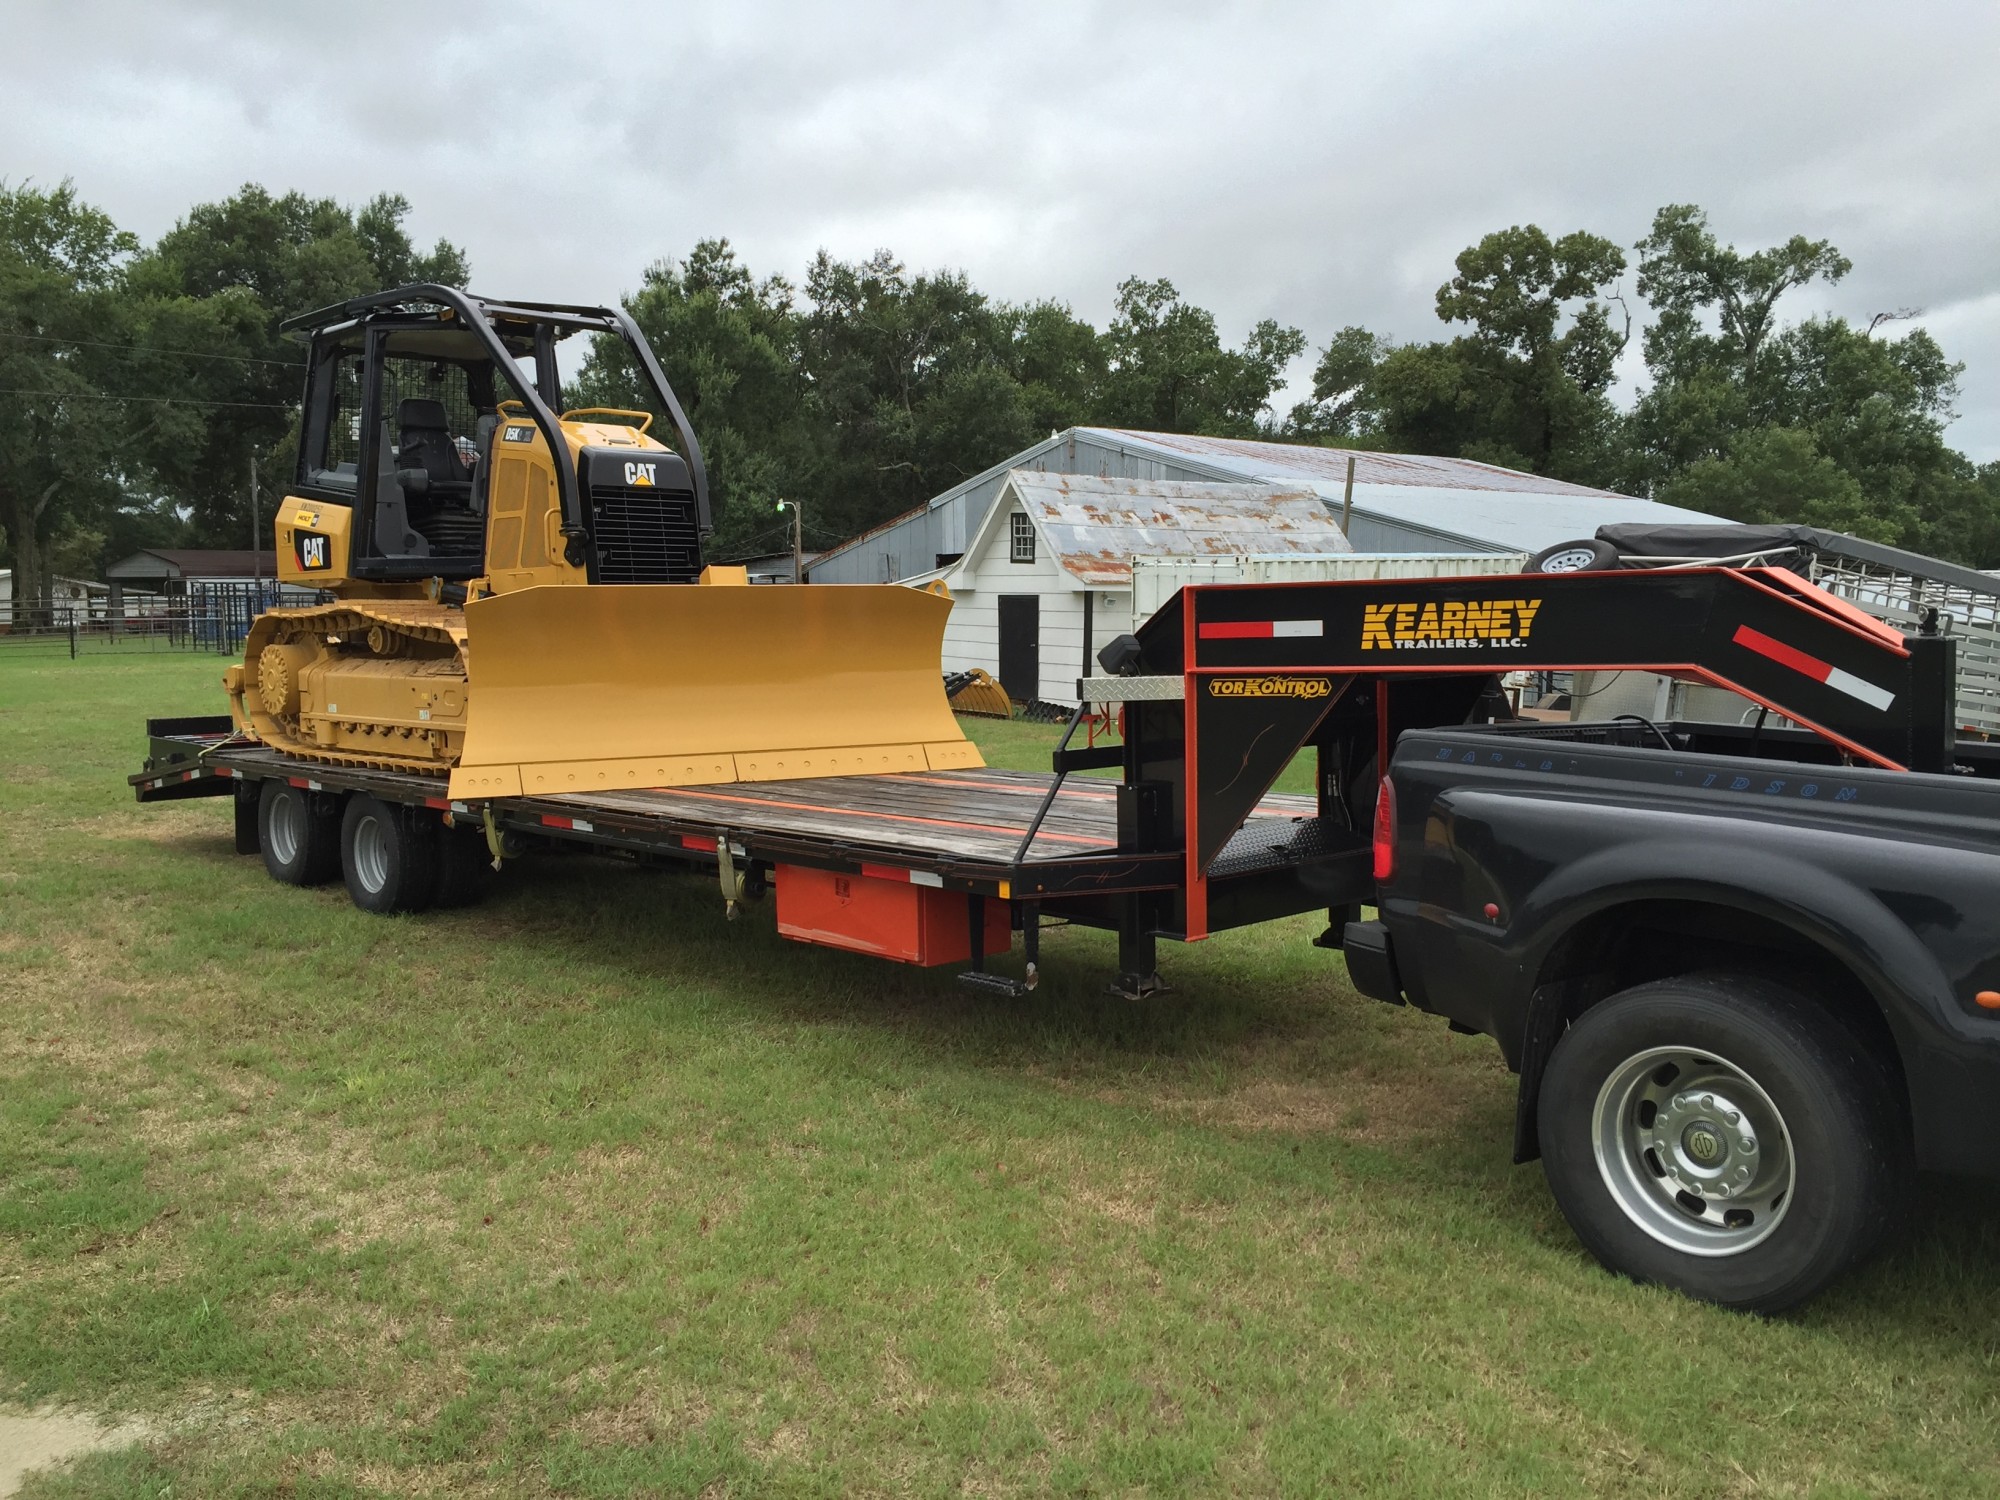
[588, 689]
[975, 693]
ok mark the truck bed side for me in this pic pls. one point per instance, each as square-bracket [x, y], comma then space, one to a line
[1536, 873]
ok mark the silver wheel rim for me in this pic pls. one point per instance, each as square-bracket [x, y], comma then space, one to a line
[1569, 560]
[1693, 1151]
[287, 828]
[371, 854]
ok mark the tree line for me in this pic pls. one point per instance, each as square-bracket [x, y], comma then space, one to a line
[141, 385]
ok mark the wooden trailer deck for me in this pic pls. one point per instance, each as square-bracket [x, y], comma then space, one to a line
[966, 825]
[975, 816]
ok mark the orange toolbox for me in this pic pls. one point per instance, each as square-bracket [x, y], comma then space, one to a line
[886, 912]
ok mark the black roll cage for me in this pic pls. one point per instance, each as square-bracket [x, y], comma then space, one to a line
[484, 318]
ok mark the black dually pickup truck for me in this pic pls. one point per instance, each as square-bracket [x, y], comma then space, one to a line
[1749, 989]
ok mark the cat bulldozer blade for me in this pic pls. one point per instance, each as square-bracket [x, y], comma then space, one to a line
[519, 596]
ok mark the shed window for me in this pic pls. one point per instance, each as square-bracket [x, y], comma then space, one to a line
[1021, 538]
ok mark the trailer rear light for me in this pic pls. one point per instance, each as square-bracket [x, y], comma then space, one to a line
[1385, 832]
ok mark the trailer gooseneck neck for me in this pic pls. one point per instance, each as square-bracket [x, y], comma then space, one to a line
[1229, 681]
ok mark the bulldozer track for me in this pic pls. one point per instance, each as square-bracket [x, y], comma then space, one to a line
[422, 620]
[443, 623]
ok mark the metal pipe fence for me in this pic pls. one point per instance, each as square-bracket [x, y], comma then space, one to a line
[208, 617]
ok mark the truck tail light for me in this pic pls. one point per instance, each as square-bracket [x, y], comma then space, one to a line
[1385, 832]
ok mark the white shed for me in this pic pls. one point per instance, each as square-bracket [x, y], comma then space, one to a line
[1046, 579]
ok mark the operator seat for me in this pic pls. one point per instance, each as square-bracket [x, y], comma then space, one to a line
[424, 445]
[434, 479]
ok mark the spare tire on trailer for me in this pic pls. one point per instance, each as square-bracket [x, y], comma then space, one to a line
[1586, 556]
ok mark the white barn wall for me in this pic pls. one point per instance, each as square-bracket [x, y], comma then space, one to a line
[972, 633]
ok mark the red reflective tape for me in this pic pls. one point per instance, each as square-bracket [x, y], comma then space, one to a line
[550, 820]
[298, 781]
[697, 841]
[190, 775]
[1787, 656]
[1237, 630]
[884, 872]
[438, 802]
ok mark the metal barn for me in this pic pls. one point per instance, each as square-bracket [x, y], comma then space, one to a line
[1401, 502]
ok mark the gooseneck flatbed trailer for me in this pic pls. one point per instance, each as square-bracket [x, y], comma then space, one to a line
[1218, 693]
[1749, 974]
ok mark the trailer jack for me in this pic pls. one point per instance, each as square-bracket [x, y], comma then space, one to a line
[983, 979]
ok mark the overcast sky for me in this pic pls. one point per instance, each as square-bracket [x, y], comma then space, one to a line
[1316, 163]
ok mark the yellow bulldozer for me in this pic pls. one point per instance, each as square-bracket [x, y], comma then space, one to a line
[520, 598]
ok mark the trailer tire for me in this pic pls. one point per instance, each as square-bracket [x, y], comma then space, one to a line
[388, 855]
[298, 834]
[1586, 556]
[465, 870]
[1724, 1135]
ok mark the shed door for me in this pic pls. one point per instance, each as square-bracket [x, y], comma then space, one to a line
[1021, 646]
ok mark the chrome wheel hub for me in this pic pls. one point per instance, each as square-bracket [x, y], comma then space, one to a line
[371, 854]
[1693, 1150]
[1572, 560]
[286, 828]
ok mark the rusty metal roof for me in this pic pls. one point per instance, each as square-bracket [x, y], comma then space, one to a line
[1280, 461]
[1095, 526]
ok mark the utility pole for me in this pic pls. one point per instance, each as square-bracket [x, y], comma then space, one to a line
[256, 551]
[798, 539]
[1347, 499]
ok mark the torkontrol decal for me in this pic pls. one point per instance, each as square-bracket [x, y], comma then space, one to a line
[1269, 687]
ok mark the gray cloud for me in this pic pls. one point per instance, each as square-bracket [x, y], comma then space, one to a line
[1317, 163]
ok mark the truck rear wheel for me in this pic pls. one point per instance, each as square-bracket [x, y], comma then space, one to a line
[1723, 1135]
[388, 857]
[297, 834]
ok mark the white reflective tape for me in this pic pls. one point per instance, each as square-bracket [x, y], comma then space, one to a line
[580, 826]
[1860, 687]
[1298, 627]
[925, 877]
[314, 786]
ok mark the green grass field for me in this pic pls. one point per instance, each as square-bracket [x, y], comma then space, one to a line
[586, 1192]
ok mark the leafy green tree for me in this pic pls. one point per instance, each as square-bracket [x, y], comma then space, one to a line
[1342, 407]
[910, 385]
[1728, 374]
[1777, 474]
[1167, 370]
[1060, 362]
[1526, 387]
[63, 444]
[206, 301]
[1714, 314]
